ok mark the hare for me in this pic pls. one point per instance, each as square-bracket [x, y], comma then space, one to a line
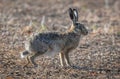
[52, 43]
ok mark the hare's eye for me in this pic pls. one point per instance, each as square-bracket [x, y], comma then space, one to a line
[77, 25]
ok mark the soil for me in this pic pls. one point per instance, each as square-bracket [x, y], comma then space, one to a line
[96, 57]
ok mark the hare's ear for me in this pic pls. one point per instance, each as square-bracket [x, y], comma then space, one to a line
[71, 14]
[75, 12]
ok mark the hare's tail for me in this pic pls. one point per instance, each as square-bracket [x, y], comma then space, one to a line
[24, 54]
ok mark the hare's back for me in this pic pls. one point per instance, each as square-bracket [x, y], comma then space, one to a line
[48, 36]
[47, 42]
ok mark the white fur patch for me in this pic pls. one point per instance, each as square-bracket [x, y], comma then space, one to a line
[27, 46]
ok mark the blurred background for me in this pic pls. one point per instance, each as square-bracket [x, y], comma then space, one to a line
[98, 53]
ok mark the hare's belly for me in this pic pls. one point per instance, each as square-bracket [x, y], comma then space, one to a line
[53, 51]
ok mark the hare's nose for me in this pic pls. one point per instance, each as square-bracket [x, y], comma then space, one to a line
[86, 32]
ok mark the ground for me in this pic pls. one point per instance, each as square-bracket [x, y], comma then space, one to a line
[97, 56]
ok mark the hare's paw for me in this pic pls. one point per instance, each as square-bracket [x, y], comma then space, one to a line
[24, 67]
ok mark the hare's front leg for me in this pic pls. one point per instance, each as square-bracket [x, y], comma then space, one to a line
[67, 60]
[61, 54]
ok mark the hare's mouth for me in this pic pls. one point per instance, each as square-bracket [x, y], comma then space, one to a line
[86, 33]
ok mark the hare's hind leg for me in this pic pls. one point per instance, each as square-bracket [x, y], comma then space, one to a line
[28, 61]
[32, 59]
[61, 54]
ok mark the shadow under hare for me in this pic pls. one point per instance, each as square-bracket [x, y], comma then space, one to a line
[52, 43]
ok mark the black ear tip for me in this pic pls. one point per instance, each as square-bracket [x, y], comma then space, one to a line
[75, 9]
[70, 9]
